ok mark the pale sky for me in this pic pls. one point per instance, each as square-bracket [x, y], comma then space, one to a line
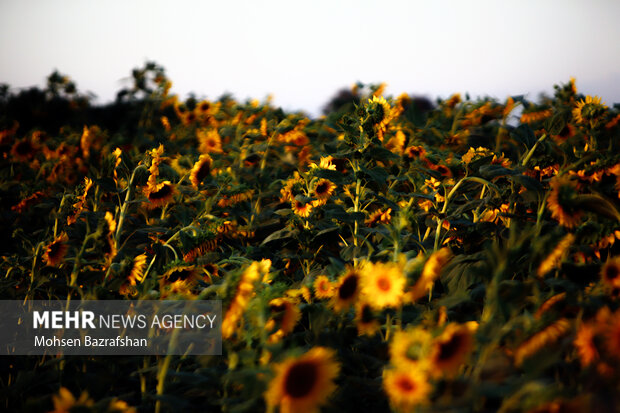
[303, 52]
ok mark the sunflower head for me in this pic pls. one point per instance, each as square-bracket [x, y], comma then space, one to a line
[451, 349]
[610, 273]
[323, 287]
[23, 150]
[347, 290]
[56, 250]
[589, 110]
[209, 141]
[201, 170]
[323, 190]
[160, 194]
[561, 202]
[367, 323]
[379, 110]
[406, 388]
[410, 348]
[384, 283]
[301, 208]
[305, 383]
[285, 314]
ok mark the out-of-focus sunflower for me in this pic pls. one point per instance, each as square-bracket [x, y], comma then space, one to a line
[245, 290]
[610, 273]
[201, 169]
[23, 150]
[406, 388]
[366, 322]
[209, 141]
[452, 348]
[612, 336]
[305, 383]
[432, 270]
[285, 315]
[586, 344]
[179, 279]
[410, 348]
[137, 270]
[415, 152]
[379, 217]
[347, 290]
[323, 287]
[561, 202]
[56, 250]
[160, 194]
[65, 402]
[384, 283]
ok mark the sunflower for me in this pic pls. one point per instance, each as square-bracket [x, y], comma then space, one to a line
[323, 288]
[432, 270]
[291, 187]
[323, 190]
[410, 348]
[381, 114]
[285, 315]
[384, 282]
[379, 217]
[610, 273]
[137, 270]
[567, 132]
[406, 388]
[65, 402]
[589, 110]
[396, 144]
[23, 150]
[178, 279]
[27, 202]
[535, 116]
[544, 338]
[300, 208]
[347, 290]
[56, 250]
[79, 205]
[209, 141]
[245, 290]
[452, 348]
[201, 170]
[554, 259]
[586, 344]
[365, 320]
[160, 194]
[203, 107]
[561, 202]
[305, 383]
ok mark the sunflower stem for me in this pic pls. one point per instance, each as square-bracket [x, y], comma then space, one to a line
[531, 152]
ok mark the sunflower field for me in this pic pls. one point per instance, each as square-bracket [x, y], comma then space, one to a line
[394, 254]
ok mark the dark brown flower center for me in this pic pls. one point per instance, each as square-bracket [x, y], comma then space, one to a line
[179, 274]
[405, 384]
[348, 287]
[449, 348]
[611, 272]
[366, 314]
[301, 379]
[384, 284]
[321, 188]
[54, 249]
[162, 193]
[203, 171]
